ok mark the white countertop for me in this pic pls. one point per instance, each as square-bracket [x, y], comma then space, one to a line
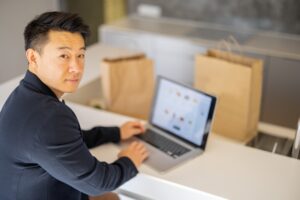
[145, 187]
[227, 169]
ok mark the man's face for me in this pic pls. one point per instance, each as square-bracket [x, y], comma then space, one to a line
[60, 63]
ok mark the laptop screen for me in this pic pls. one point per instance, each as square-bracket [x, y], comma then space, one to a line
[182, 111]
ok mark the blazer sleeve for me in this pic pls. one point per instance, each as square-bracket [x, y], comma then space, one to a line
[60, 150]
[100, 135]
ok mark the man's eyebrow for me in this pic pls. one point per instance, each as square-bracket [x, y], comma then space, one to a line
[61, 48]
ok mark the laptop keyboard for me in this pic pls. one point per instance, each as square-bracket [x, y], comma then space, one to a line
[162, 143]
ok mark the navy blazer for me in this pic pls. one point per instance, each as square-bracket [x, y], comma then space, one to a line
[44, 153]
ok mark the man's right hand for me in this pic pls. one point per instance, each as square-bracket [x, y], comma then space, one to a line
[136, 151]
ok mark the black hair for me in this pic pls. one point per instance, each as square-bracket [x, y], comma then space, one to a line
[36, 31]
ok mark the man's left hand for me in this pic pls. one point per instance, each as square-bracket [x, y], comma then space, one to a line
[130, 129]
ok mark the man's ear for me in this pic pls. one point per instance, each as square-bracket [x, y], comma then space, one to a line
[32, 56]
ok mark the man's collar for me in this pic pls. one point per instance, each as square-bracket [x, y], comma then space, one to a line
[34, 83]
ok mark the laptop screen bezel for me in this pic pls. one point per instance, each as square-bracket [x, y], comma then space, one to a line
[209, 119]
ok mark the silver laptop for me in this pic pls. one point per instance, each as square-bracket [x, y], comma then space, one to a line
[179, 124]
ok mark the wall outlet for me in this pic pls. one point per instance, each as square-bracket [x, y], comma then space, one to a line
[149, 10]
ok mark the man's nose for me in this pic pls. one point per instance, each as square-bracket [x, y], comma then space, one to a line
[75, 65]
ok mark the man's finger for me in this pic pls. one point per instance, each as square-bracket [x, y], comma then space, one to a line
[137, 131]
[145, 155]
[133, 144]
[138, 125]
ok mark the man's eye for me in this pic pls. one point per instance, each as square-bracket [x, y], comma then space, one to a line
[81, 56]
[64, 56]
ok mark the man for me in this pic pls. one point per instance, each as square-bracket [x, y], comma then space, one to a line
[43, 152]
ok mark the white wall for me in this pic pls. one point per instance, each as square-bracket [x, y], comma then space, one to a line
[14, 15]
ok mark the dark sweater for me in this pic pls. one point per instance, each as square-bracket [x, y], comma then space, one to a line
[44, 153]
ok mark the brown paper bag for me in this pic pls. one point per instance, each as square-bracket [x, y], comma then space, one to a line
[237, 82]
[128, 85]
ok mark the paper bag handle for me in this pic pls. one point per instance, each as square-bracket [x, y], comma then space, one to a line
[228, 44]
[236, 43]
[225, 43]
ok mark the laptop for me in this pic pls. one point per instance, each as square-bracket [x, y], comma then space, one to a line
[179, 124]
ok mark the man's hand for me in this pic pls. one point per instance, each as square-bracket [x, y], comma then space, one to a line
[135, 152]
[130, 129]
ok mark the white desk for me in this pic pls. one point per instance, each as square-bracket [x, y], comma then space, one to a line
[226, 169]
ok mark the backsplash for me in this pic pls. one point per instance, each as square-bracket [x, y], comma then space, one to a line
[271, 15]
